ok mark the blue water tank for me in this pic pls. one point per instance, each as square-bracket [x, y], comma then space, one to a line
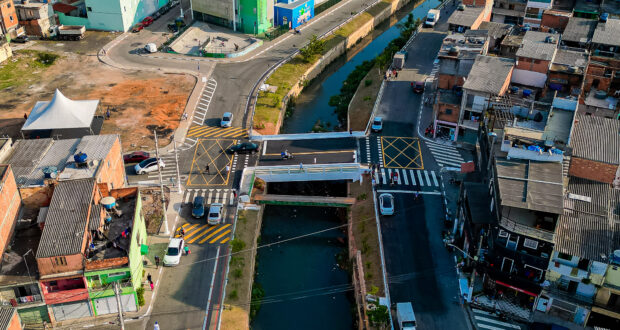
[50, 172]
[80, 157]
[108, 202]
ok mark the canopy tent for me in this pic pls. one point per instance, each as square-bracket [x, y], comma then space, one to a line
[61, 113]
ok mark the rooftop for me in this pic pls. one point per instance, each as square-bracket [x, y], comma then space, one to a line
[30, 157]
[449, 97]
[512, 41]
[530, 185]
[290, 5]
[607, 102]
[6, 315]
[611, 7]
[608, 33]
[489, 74]
[596, 138]
[26, 237]
[67, 218]
[590, 226]
[466, 17]
[495, 30]
[559, 126]
[570, 61]
[587, 6]
[478, 201]
[579, 30]
[463, 45]
[537, 45]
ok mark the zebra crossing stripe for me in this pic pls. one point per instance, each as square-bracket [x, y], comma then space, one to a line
[420, 179]
[377, 177]
[232, 199]
[384, 176]
[428, 180]
[217, 195]
[186, 199]
[405, 177]
[434, 178]
[390, 174]
[210, 196]
[397, 176]
[412, 177]
[488, 320]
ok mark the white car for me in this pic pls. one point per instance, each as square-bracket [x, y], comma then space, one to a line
[226, 119]
[377, 124]
[386, 204]
[174, 252]
[215, 214]
[148, 165]
[151, 48]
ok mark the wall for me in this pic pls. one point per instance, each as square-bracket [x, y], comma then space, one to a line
[47, 267]
[9, 207]
[613, 275]
[5, 51]
[592, 170]
[557, 22]
[15, 323]
[101, 288]
[529, 64]
[448, 81]
[295, 16]
[528, 78]
[70, 295]
[37, 197]
[248, 16]
[138, 237]
[217, 8]
[8, 16]
[117, 15]
[112, 169]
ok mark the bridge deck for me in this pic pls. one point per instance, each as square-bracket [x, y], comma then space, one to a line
[304, 200]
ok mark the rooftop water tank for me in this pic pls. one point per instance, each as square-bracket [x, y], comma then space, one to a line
[108, 202]
[50, 172]
[80, 157]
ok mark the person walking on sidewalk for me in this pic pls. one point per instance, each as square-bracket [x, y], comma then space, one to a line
[149, 278]
[157, 261]
[156, 326]
[227, 169]
[152, 286]
[207, 169]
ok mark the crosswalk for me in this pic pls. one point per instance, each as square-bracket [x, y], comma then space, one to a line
[169, 172]
[486, 320]
[200, 233]
[212, 195]
[445, 155]
[203, 104]
[405, 177]
[217, 132]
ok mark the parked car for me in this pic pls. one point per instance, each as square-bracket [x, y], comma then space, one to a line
[243, 148]
[198, 207]
[377, 124]
[386, 204]
[21, 39]
[148, 165]
[174, 252]
[150, 48]
[418, 87]
[136, 156]
[226, 119]
[173, 27]
[215, 214]
[405, 316]
[147, 21]
[137, 28]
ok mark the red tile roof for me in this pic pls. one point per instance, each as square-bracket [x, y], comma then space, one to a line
[63, 7]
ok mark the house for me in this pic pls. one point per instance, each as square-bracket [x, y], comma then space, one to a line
[509, 11]
[589, 9]
[534, 12]
[40, 163]
[5, 49]
[579, 32]
[555, 20]
[252, 16]
[606, 309]
[293, 14]
[534, 58]
[8, 18]
[467, 19]
[592, 158]
[496, 33]
[10, 201]
[9, 319]
[36, 18]
[111, 15]
[567, 71]
[486, 83]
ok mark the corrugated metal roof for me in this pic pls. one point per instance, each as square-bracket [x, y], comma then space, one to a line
[465, 17]
[596, 138]
[534, 46]
[66, 218]
[95, 217]
[579, 30]
[26, 155]
[608, 33]
[6, 314]
[488, 74]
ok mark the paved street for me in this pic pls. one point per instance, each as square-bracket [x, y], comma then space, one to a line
[320, 151]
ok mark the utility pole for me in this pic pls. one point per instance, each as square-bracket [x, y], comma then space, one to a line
[118, 304]
[176, 158]
[161, 186]
[473, 271]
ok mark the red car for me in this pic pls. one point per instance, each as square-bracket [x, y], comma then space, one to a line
[138, 27]
[418, 87]
[147, 21]
[136, 157]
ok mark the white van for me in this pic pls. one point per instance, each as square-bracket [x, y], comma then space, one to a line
[151, 48]
[405, 316]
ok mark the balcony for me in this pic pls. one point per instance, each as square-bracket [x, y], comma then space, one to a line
[526, 230]
[556, 289]
[96, 286]
[26, 300]
[471, 124]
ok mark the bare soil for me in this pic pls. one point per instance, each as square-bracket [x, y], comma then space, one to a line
[362, 103]
[140, 101]
[152, 209]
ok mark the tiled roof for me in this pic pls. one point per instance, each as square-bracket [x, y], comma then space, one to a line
[67, 218]
[534, 46]
[579, 30]
[489, 74]
[596, 138]
[608, 33]
[6, 314]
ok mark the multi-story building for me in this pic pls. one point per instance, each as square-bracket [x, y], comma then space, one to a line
[471, 15]
[567, 71]
[555, 20]
[587, 9]
[534, 11]
[606, 310]
[579, 32]
[509, 11]
[36, 17]
[534, 59]
[8, 18]
[247, 16]
[10, 202]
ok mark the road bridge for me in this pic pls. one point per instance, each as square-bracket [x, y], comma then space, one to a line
[304, 200]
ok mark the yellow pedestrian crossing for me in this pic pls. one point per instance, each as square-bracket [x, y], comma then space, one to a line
[217, 132]
[195, 232]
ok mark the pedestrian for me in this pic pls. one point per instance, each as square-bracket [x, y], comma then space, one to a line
[395, 74]
[149, 278]
[207, 169]
[301, 166]
[350, 131]
[234, 191]
[182, 232]
[107, 113]
[186, 249]
[152, 286]
[157, 261]
[25, 116]
[156, 326]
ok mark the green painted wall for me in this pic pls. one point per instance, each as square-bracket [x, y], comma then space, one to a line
[254, 16]
[138, 237]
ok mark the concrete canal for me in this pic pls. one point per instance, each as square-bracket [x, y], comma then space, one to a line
[312, 104]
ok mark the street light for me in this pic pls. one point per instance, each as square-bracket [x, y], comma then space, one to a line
[26, 262]
[465, 253]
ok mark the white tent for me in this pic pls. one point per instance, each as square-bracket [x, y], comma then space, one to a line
[61, 113]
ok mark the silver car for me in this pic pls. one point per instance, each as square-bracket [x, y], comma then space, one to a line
[377, 124]
[386, 204]
[215, 214]
[226, 119]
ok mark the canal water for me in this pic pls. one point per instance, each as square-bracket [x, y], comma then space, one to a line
[312, 104]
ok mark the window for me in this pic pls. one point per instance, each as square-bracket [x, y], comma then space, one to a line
[507, 265]
[89, 9]
[448, 111]
[533, 272]
[502, 233]
[513, 241]
[11, 18]
[60, 261]
[565, 256]
[8, 5]
[530, 243]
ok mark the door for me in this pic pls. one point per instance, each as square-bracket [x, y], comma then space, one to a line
[71, 310]
[507, 265]
[108, 305]
[35, 315]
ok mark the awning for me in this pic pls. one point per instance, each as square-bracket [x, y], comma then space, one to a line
[515, 288]
[144, 249]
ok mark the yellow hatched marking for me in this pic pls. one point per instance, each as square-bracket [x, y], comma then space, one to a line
[213, 233]
[195, 231]
[225, 240]
[184, 226]
[194, 239]
[220, 236]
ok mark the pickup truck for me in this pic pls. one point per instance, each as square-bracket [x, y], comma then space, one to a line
[405, 316]
[68, 32]
[432, 17]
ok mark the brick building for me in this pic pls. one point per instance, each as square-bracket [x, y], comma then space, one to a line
[8, 17]
[9, 205]
[554, 19]
[36, 18]
[534, 59]
[9, 319]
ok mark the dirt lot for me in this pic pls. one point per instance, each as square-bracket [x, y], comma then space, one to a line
[139, 101]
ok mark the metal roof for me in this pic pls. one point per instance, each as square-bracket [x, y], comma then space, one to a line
[534, 45]
[495, 30]
[465, 17]
[530, 185]
[608, 33]
[6, 314]
[489, 74]
[67, 217]
[579, 30]
[95, 217]
[596, 138]
[571, 58]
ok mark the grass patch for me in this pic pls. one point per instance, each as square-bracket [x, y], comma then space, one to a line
[379, 7]
[354, 24]
[25, 67]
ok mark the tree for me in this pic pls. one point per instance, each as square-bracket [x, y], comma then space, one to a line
[314, 47]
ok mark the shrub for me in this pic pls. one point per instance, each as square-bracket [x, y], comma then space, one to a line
[379, 315]
[237, 273]
[373, 290]
[46, 58]
[314, 47]
[362, 197]
[368, 82]
[233, 294]
[257, 294]
[140, 293]
[237, 245]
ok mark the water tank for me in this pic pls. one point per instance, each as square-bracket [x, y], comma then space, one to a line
[50, 172]
[615, 257]
[604, 17]
[601, 95]
[108, 202]
[80, 157]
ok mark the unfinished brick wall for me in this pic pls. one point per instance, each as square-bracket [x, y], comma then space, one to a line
[592, 170]
[10, 202]
[557, 22]
[448, 81]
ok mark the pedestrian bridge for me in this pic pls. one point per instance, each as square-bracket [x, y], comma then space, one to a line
[304, 200]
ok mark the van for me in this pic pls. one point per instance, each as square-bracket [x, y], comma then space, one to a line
[405, 316]
[151, 48]
[432, 17]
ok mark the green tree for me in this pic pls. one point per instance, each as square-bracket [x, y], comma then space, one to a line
[314, 47]
[379, 315]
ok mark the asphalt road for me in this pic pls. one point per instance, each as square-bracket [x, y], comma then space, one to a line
[322, 151]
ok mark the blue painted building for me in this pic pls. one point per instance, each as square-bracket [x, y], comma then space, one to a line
[293, 13]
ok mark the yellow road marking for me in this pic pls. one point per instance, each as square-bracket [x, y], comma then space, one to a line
[225, 240]
[213, 233]
[191, 227]
[201, 234]
[411, 144]
[220, 236]
[202, 130]
[184, 226]
[314, 152]
[212, 162]
[195, 231]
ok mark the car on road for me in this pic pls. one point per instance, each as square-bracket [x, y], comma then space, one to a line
[243, 148]
[215, 214]
[377, 124]
[174, 252]
[137, 28]
[136, 156]
[386, 204]
[148, 165]
[417, 87]
[226, 119]
[150, 48]
[405, 316]
[147, 21]
[20, 39]
[198, 208]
